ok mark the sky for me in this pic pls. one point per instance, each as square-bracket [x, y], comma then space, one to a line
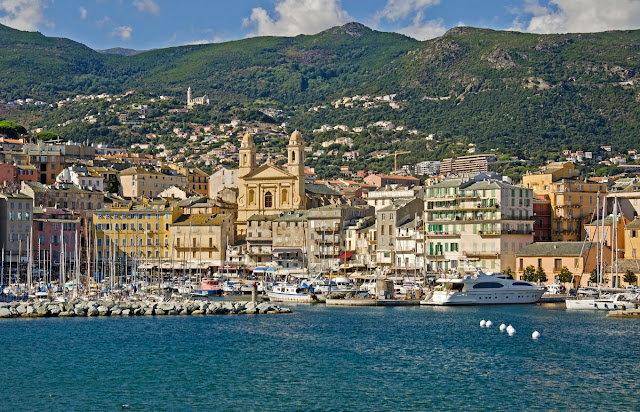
[148, 24]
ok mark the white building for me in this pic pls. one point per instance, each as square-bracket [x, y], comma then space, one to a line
[82, 177]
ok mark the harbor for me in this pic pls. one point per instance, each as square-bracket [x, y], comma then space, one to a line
[374, 358]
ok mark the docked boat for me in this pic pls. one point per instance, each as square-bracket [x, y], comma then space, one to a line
[208, 287]
[289, 292]
[483, 289]
[617, 301]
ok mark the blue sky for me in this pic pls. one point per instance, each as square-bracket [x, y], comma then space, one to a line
[146, 24]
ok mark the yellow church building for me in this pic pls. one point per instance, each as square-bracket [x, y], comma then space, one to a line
[269, 189]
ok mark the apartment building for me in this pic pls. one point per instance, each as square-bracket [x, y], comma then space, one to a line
[573, 201]
[472, 224]
[15, 226]
[388, 219]
[326, 233]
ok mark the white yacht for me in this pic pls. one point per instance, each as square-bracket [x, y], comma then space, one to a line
[288, 292]
[483, 289]
[617, 301]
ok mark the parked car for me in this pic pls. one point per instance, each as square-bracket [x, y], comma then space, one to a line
[633, 288]
[555, 289]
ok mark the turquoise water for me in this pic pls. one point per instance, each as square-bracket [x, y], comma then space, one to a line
[323, 358]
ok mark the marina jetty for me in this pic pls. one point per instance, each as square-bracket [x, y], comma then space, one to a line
[81, 308]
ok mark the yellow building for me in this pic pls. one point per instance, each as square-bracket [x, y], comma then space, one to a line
[573, 201]
[137, 182]
[197, 180]
[134, 234]
[269, 189]
[632, 240]
[200, 241]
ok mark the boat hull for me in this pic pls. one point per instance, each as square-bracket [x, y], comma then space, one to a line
[207, 292]
[597, 304]
[291, 297]
[448, 298]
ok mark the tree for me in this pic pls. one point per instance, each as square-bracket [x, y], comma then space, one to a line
[508, 272]
[540, 276]
[630, 277]
[529, 273]
[593, 276]
[11, 129]
[565, 275]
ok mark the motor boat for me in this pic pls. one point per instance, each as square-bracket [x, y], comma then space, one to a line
[617, 301]
[483, 289]
[289, 292]
[208, 287]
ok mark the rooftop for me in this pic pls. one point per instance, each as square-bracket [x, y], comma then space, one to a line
[556, 249]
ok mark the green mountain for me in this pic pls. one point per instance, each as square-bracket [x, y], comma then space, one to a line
[498, 89]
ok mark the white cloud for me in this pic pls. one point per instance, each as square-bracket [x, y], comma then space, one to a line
[124, 32]
[148, 6]
[420, 30]
[295, 17]
[22, 14]
[83, 13]
[580, 16]
[396, 10]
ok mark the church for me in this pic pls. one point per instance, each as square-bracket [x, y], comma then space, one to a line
[269, 189]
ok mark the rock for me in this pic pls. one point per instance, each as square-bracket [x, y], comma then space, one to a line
[126, 312]
[198, 312]
[66, 314]
[103, 310]
[79, 311]
[5, 312]
[173, 312]
[42, 310]
[116, 311]
[159, 312]
[54, 310]
[30, 310]
[22, 309]
[92, 311]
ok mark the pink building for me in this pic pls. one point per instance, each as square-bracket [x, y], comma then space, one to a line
[47, 226]
[17, 173]
[380, 180]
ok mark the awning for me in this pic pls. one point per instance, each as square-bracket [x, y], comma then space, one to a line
[345, 255]
[286, 250]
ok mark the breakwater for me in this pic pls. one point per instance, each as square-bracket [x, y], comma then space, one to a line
[134, 308]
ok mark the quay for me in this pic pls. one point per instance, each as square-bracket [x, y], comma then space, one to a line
[81, 308]
[372, 302]
[549, 298]
[629, 313]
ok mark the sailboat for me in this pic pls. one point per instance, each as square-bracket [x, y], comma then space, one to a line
[617, 301]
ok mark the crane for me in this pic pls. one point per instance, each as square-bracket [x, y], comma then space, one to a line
[395, 159]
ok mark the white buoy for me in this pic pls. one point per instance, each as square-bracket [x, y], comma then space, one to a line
[503, 327]
[535, 335]
[511, 330]
[488, 324]
[482, 323]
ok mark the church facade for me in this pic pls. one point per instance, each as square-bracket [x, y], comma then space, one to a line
[269, 189]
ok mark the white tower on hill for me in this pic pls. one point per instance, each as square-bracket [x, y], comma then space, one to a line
[189, 96]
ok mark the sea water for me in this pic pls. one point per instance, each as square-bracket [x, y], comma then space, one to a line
[326, 359]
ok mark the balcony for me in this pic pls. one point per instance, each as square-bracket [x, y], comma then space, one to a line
[443, 234]
[327, 240]
[259, 253]
[482, 255]
[329, 228]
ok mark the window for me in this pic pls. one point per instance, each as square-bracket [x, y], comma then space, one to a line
[285, 196]
[488, 285]
[252, 199]
[268, 200]
[557, 264]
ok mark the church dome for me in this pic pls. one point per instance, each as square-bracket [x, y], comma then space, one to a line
[247, 140]
[296, 138]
